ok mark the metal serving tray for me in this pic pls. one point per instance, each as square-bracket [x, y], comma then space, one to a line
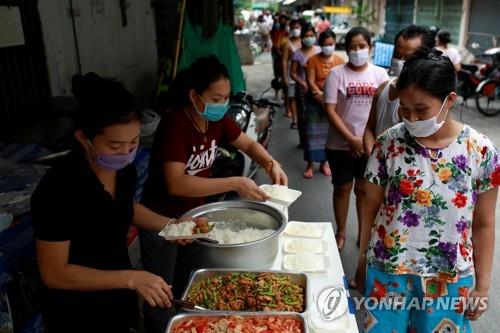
[191, 316]
[202, 274]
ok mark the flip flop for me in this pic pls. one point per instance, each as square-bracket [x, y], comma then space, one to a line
[326, 171]
[308, 174]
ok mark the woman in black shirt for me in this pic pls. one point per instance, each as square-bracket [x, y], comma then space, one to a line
[82, 210]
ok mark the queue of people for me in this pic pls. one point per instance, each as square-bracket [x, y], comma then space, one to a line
[424, 182]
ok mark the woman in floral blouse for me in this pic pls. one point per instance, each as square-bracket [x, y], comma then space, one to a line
[432, 184]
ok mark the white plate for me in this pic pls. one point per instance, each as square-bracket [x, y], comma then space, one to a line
[305, 263]
[303, 229]
[303, 245]
[281, 194]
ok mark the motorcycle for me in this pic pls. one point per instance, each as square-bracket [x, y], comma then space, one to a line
[482, 83]
[255, 118]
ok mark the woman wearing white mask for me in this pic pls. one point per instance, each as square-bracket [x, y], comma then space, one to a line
[315, 121]
[349, 90]
[298, 73]
[287, 49]
[436, 180]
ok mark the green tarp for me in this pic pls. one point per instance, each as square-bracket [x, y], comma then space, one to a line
[221, 44]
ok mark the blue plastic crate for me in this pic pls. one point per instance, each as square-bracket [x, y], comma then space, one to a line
[383, 54]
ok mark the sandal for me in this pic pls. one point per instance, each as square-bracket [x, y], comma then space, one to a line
[288, 115]
[325, 169]
[308, 174]
[340, 239]
[294, 126]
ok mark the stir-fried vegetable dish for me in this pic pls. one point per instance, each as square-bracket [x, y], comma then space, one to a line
[236, 324]
[202, 227]
[248, 292]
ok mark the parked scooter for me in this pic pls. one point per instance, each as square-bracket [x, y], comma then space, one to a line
[482, 83]
[255, 118]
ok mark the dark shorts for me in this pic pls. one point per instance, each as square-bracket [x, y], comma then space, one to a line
[345, 167]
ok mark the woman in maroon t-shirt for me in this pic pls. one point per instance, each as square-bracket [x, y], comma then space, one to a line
[182, 158]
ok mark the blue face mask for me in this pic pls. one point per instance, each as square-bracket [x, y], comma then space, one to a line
[213, 111]
[309, 41]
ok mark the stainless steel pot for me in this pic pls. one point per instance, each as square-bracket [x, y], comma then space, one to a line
[186, 317]
[259, 254]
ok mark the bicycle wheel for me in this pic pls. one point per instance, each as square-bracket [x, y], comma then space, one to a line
[488, 99]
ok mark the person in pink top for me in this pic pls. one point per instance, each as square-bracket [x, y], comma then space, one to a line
[322, 25]
[349, 90]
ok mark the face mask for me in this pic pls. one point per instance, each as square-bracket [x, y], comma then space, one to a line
[213, 111]
[309, 41]
[359, 58]
[397, 66]
[295, 33]
[328, 50]
[287, 28]
[113, 162]
[425, 128]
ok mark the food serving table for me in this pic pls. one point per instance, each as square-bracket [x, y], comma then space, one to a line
[334, 276]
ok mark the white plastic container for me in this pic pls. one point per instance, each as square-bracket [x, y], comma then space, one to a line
[281, 194]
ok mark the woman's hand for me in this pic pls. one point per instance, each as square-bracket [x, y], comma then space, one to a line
[357, 146]
[278, 176]
[247, 188]
[318, 97]
[152, 288]
[304, 86]
[478, 301]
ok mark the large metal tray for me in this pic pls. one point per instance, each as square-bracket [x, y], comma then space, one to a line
[202, 274]
[190, 316]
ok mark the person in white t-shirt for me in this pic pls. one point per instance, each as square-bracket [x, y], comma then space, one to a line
[348, 94]
[384, 112]
[443, 38]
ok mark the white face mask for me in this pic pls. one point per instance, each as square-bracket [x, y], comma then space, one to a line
[359, 58]
[397, 66]
[425, 128]
[328, 50]
[295, 33]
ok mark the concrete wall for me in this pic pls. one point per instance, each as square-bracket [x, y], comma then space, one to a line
[127, 53]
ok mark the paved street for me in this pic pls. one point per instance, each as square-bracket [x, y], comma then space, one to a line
[315, 204]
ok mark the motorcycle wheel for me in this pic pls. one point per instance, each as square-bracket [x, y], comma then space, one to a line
[488, 99]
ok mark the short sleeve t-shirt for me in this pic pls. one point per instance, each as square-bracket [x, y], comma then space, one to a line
[424, 226]
[353, 93]
[177, 140]
[71, 204]
[453, 54]
[323, 67]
